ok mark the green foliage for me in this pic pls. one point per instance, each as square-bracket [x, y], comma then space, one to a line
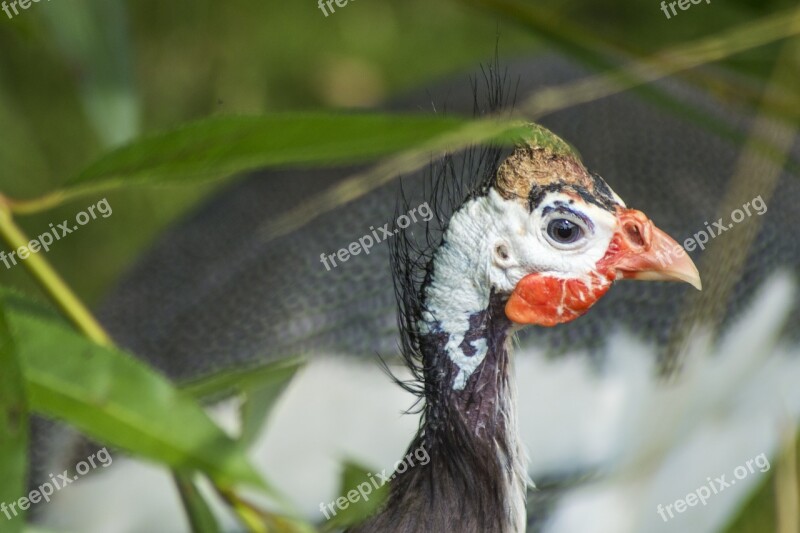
[201, 518]
[260, 388]
[116, 399]
[357, 508]
[223, 146]
[13, 426]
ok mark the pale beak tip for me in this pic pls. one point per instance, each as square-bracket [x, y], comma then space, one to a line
[682, 269]
[695, 281]
[685, 270]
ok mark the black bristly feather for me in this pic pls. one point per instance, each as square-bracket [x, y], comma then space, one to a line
[451, 181]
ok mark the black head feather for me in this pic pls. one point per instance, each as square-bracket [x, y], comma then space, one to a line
[451, 181]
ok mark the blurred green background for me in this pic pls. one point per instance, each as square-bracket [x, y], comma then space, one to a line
[78, 77]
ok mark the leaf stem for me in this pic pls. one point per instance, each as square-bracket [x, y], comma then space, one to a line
[52, 283]
[249, 516]
[34, 205]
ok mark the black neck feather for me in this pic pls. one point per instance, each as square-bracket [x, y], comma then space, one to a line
[470, 437]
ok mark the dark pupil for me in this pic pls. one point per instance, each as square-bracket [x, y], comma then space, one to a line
[563, 230]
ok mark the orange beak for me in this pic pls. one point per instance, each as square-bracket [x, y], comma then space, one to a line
[640, 250]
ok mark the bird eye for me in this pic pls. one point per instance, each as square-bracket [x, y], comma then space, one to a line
[564, 231]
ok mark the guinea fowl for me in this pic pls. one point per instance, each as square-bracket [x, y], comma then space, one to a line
[539, 241]
[609, 439]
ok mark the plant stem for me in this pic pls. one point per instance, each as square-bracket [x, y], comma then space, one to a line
[201, 518]
[249, 517]
[42, 203]
[53, 285]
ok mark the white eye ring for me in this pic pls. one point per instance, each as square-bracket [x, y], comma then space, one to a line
[565, 230]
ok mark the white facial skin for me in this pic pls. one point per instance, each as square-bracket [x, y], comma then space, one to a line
[492, 243]
[523, 245]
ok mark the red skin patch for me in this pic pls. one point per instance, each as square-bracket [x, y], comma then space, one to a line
[545, 300]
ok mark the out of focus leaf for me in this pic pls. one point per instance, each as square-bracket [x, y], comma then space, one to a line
[13, 428]
[116, 399]
[223, 146]
[261, 387]
[240, 380]
[364, 499]
[759, 513]
[201, 519]
[260, 398]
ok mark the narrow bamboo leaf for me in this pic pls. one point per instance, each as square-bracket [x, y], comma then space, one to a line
[225, 145]
[261, 387]
[116, 399]
[236, 381]
[260, 398]
[201, 519]
[13, 430]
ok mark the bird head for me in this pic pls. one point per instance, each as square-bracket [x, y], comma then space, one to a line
[561, 237]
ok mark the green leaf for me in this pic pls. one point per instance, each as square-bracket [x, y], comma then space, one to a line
[116, 399]
[240, 380]
[261, 387]
[13, 428]
[260, 398]
[201, 519]
[226, 145]
[362, 504]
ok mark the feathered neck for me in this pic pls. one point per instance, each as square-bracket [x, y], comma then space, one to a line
[476, 477]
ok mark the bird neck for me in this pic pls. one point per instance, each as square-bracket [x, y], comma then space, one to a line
[476, 478]
[470, 426]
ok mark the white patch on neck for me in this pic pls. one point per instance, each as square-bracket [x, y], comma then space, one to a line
[461, 287]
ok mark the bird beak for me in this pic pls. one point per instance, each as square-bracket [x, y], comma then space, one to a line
[639, 250]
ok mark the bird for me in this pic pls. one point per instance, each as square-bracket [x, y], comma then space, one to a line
[609, 437]
[537, 242]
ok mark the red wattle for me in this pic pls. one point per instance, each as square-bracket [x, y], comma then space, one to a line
[546, 301]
